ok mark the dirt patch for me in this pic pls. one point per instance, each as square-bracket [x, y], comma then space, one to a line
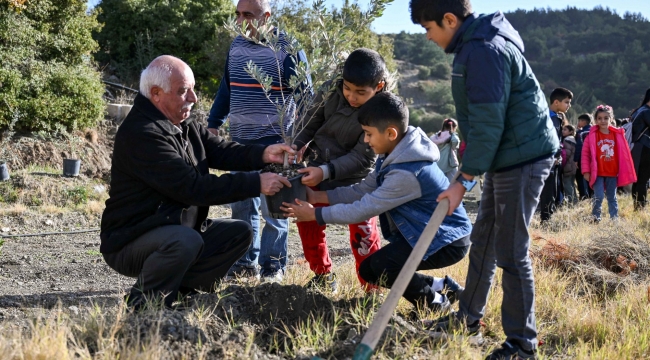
[94, 147]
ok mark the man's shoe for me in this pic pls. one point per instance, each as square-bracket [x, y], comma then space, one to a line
[453, 289]
[325, 282]
[242, 272]
[440, 307]
[511, 351]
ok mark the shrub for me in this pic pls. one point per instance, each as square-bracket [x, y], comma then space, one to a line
[440, 71]
[424, 73]
[137, 31]
[47, 75]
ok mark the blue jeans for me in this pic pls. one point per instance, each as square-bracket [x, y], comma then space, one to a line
[270, 249]
[605, 185]
[500, 238]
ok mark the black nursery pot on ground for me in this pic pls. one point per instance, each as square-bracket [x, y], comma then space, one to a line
[287, 194]
[71, 167]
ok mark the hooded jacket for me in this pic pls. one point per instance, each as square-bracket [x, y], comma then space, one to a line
[570, 166]
[501, 110]
[626, 174]
[402, 190]
[160, 175]
[334, 126]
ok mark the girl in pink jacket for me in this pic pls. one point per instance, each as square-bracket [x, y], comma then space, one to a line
[606, 161]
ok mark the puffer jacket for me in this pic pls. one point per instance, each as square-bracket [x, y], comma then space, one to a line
[589, 163]
[501, 110]
[570, 165]
[334, 127]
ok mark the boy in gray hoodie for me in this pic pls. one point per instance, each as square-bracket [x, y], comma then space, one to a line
[402, 190]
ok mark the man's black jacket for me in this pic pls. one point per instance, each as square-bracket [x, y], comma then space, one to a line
[159, 175]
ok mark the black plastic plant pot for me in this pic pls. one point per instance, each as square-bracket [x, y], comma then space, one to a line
[287, 194]
[4, 172]
[71, 167]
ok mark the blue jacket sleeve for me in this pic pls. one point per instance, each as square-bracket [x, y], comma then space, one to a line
[488, 95]
[221, 105]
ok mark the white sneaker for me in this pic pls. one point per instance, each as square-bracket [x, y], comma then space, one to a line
[275, 277]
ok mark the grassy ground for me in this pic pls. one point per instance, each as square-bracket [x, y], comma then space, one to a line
[578, 315]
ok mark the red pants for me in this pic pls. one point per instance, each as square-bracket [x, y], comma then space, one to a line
[364, 240]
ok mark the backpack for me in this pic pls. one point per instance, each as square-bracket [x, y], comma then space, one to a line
[628, 129]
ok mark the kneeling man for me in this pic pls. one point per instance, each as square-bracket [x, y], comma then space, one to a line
[155, 225]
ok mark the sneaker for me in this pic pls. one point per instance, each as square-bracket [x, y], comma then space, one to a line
[272, 276]
[511, 351]
[325, 282]
[442, 306]
[453, 289]
[450, 322]
[242, 272]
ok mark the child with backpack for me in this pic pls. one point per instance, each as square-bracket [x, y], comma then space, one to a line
[606, 161]
[447, 141]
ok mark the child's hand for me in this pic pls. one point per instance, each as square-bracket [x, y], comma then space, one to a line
[586, 176]
[313, 175]
[301, 210]
[455, 194]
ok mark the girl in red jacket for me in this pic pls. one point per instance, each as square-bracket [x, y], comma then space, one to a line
[606, 161]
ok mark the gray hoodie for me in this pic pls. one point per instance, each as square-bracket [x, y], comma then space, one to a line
[362, 201]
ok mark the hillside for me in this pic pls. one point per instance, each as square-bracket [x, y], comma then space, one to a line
[599, 55]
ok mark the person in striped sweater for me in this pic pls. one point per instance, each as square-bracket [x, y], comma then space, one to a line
[254, 120]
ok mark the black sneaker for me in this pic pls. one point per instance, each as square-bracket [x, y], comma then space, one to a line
[511, 351]
[242, 272]
[450, 322]
[324, 281]
[453, 289]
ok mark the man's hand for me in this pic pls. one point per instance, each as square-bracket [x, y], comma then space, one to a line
[586, 176]
[301, 210]
[275, 154]
[317, 197]
[214, 131]
[455, 194]
[313, 177]
[272, 183]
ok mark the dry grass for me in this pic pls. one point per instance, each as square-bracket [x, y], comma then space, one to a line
[574, 319]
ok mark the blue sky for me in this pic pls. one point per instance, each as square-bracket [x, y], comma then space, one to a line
[396, 17]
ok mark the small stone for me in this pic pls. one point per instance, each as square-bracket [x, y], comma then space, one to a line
[352, 334]
[49, 222]
[74, 309]
[5, 229]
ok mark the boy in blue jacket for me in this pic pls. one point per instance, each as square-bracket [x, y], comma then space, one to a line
[402, 190]
[504, 118]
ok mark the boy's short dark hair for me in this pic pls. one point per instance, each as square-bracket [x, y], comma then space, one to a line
[586, 117]
[364, 67]
[383, 110]
[435, 10]
[560, 94]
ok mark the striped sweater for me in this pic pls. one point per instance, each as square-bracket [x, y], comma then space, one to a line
[241, 98]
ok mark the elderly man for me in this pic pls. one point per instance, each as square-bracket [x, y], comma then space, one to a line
[254, 120]
[155, 225]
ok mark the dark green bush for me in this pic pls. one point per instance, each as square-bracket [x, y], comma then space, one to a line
[441, 71]
[47, 76]
[137, 31]
[424, 73]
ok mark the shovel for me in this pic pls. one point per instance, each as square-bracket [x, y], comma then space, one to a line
[366, 347]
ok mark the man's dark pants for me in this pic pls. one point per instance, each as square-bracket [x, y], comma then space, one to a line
[174, 256]
[382, 267]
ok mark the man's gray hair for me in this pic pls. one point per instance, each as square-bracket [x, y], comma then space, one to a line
[158, 73]
[265, 5]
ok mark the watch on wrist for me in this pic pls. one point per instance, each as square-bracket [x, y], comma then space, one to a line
[467, 184]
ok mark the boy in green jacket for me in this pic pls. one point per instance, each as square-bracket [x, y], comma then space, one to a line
[503, 116]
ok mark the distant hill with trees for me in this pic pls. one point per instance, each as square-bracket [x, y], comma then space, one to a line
[601, 56]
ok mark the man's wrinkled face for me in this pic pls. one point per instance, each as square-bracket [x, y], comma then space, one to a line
[250, 11]
[176, 104]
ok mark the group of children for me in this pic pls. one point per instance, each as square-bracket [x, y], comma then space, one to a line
[510, 138]
[594, 160]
